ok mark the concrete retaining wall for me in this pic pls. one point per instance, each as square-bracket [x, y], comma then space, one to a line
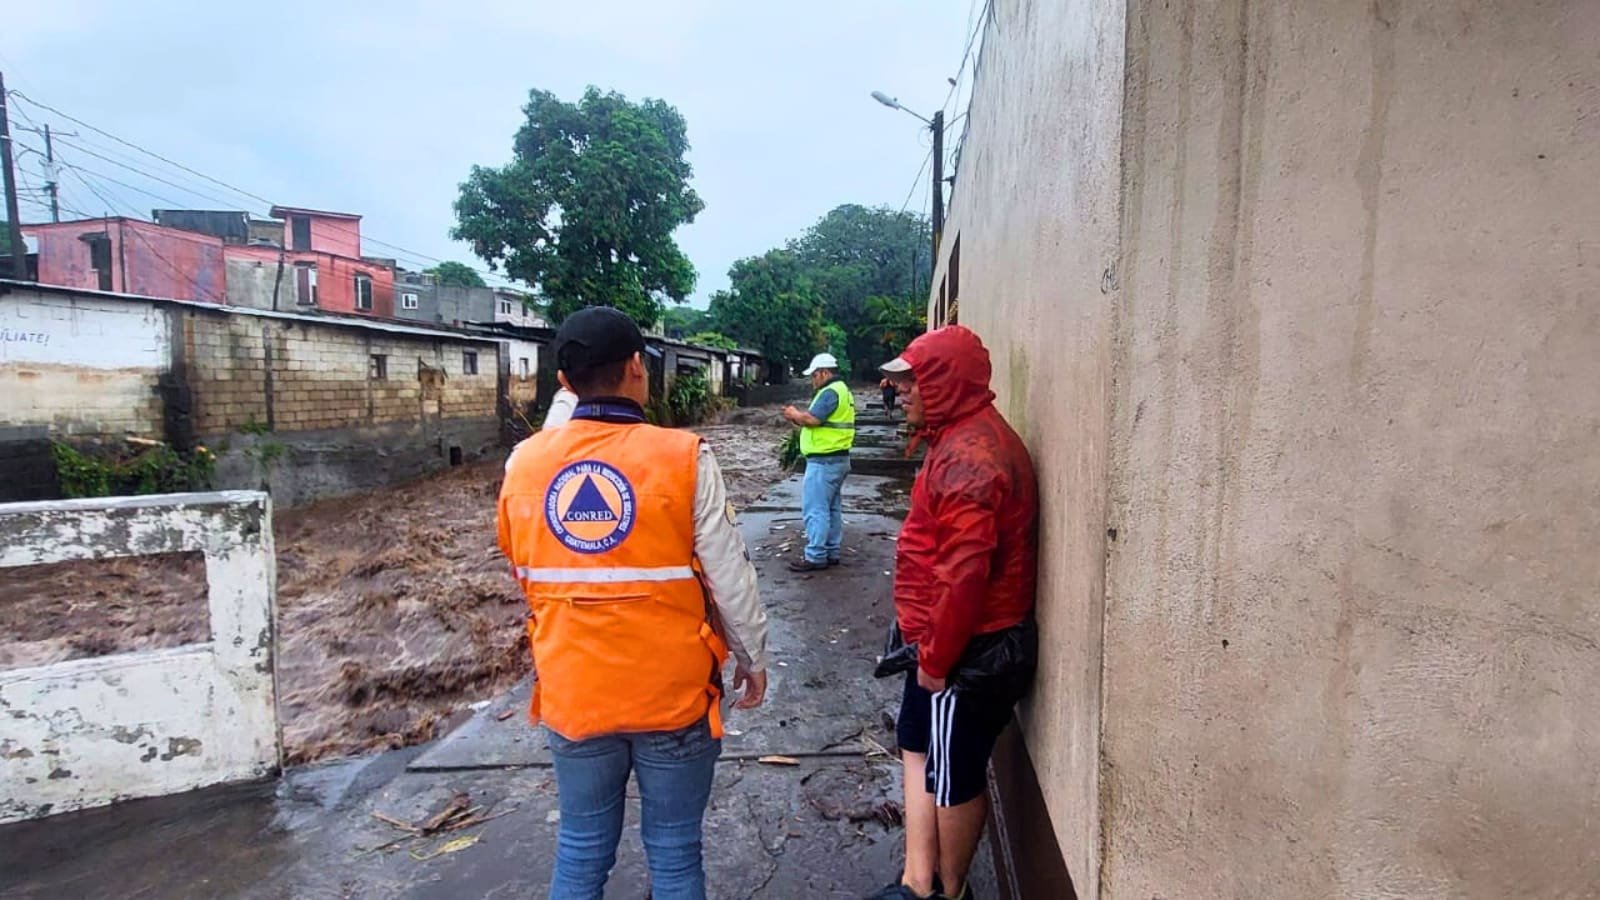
[349, 402]
[94, 731]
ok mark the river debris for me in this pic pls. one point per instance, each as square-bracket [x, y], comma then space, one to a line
[458, 813]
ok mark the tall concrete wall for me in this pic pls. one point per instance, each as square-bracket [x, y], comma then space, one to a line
[1352, 648]
[1035, 211]
[1320, 416]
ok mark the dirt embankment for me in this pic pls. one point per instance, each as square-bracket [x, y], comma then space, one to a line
[395, 607]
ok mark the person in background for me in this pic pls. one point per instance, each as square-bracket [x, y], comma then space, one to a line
[827, 432]
[963, 595]
[595, 516]
[561, 407]
[889, 394]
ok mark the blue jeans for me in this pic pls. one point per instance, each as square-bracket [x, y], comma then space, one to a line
[674, 769]
[822, 504]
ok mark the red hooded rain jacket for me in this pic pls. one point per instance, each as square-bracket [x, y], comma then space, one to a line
[967, 553]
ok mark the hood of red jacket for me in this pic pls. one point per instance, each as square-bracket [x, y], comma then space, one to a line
[952, 369]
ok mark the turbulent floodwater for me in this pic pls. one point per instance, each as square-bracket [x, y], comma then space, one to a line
[395, 607]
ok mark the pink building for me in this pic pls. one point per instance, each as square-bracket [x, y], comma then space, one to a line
[317, 264]
[321, 231]
[131, 257]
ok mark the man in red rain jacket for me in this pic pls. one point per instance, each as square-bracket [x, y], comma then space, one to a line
[965, 570]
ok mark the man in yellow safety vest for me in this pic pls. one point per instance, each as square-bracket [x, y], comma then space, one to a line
[827, 432]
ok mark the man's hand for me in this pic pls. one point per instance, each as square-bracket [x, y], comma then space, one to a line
[792, 414]
[754, 685]
[928, 682]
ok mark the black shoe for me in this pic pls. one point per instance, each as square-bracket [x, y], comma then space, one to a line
[806, 565]
[898, 891]
[835, 561]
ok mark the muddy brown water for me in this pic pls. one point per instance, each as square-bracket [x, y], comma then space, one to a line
[395, 608]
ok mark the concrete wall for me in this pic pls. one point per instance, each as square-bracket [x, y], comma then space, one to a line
[89, 366]
[82, 366]
[1354, 641]
[1035, 210]
[254, 280]
[1320, 359]
[94, 731]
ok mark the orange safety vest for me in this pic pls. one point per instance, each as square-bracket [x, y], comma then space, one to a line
[598, 519]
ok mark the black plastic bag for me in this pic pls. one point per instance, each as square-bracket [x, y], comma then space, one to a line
[898, 656]
[999, 665]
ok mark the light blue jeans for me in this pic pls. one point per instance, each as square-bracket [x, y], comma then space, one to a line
[674, 769]
[822, 504]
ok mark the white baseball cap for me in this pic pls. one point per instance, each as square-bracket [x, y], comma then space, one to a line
[822, 361]
[896, 366]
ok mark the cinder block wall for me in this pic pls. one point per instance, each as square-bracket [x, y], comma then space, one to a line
[296, 405]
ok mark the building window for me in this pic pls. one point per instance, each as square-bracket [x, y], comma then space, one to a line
[378, 367]
[469, 362]
[954, 312]
[364, 292]
[408, 300]
[299, 233]
[505, 307]
[100, 258]
[305, 284]
[522, 366]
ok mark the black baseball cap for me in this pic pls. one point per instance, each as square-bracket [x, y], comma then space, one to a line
[595, 336]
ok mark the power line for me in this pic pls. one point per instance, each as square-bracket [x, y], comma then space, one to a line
[131, 145]
[172, 267]
[967, 53]
[918, 180]
[410, 255]
[148, 175]
[155, 196]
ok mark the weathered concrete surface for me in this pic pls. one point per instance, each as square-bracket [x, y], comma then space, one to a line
[768, 829]
[1035, 214]
[1353, 647]
[772, 831]
[1306, 289]
[93, 731]
[304, 466]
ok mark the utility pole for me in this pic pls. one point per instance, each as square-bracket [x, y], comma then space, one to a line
[938, 182]
[19, 250]
[54, 184]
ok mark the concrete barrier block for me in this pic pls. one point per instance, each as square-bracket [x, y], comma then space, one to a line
[89, 732]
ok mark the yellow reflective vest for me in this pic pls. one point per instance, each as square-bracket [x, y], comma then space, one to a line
[838, 433]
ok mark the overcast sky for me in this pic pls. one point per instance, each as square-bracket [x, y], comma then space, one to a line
[381, 108]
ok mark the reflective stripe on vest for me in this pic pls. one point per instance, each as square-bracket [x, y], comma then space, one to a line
[604, 576]
[837, 433]
[598, 520]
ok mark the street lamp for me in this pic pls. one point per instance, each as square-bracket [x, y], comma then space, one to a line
[936, 125]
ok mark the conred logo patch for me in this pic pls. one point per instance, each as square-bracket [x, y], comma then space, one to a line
[589, 507]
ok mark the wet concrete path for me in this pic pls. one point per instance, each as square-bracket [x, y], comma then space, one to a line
[822, 827]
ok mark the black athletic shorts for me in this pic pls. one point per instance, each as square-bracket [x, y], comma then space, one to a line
[956, 731]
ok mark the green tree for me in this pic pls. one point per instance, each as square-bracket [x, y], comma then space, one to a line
[838, 344]
[770, 305]
[855, 253]
[681, 320]
[713, 339]
[455, 274]
[895, 322]
[588, 204]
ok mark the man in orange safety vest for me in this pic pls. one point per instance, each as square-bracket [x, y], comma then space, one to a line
[639, 587]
